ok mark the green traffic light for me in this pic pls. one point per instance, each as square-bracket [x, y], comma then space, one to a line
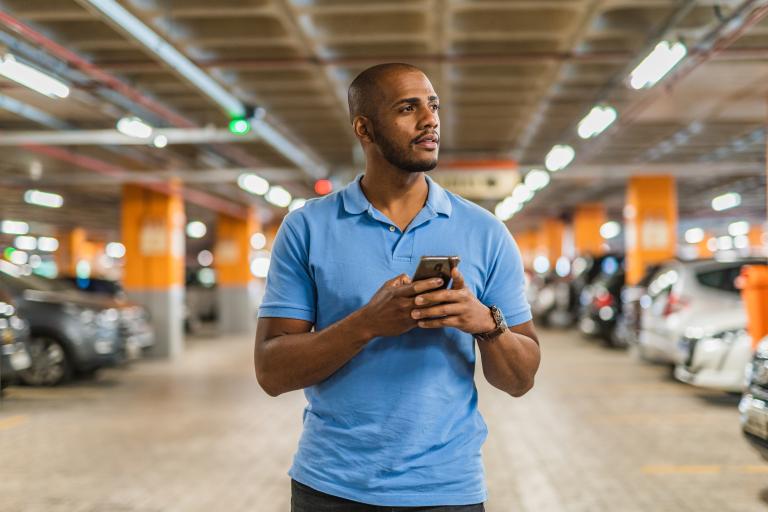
[8, 252]
[239, 126]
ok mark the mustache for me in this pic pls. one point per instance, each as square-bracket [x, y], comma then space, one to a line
[425, 134]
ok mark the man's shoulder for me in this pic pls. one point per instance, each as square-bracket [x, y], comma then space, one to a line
[317, 209]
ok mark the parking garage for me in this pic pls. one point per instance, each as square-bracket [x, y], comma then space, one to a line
[168, 169]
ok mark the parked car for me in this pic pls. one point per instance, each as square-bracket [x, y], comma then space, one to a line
[627, 330]
[682, 295]
[69, 331]
[599, 315]
[753, 407]
[14, 335]
[135, 321]
[716, 352]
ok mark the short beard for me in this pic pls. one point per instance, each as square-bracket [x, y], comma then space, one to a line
[399, 158]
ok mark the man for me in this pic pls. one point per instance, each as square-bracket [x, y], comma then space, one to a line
[388, 371]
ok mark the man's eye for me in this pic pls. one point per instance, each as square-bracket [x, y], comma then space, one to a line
[408, 108]
[435, 107]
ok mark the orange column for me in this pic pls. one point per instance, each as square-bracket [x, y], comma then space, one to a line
[72, 249]
[550, 240]
[703, 247]
[237, 288]
[651, 223]
[153, 235]
[527, 244]
[755, 237]
[587, 221]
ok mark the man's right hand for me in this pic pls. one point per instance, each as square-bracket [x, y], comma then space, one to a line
[388, 313]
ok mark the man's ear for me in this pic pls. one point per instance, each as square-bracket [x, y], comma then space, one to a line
[363, 128]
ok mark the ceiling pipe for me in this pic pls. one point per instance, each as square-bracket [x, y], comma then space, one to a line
[146, 102]
[197, 197]
[108, 137]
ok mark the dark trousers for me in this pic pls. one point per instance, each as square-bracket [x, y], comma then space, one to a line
[307, 499]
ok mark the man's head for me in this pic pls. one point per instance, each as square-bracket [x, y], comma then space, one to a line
[394, 113]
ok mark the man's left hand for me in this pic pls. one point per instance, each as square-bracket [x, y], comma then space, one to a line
[457, 307]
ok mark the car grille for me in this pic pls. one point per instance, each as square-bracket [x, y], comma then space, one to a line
[691, 342]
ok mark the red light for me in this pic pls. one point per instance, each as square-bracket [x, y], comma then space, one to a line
[323, 187]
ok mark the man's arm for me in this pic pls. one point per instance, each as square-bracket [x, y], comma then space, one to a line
[510, 361]
[288, 357]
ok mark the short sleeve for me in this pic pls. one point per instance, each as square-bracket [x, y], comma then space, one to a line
[290, 289]
[505, 283]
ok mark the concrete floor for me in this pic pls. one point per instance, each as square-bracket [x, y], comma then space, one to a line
[600, 432]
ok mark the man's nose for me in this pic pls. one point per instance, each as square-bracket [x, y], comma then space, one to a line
[429, 119]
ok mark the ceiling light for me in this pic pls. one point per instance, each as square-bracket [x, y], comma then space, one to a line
[559, 157]
[278, 196]
[726, 201]
[724, 243]
[205, 258]
[19, 257]
[296, 204]
[47, 199]
[196, 229]
[741, 242]
[258, 241]
[537, 179]
[260, 266]
[160, 141]
[48, 244]
[134, 127]
[657, 64]
[694, 235]
[596, 122]
[507, 208]
[25, 243]
[239, 126]
[610, 229]
[115, 250]
[253, 184]
[738, 228]
[14, 227]
[32, 78]
[522, 194]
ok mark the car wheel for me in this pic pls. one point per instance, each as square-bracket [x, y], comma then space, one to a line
[50, 364]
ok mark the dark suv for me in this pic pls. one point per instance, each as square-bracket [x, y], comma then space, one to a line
[14, 334]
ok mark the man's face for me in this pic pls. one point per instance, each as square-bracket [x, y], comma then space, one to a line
[407, 127]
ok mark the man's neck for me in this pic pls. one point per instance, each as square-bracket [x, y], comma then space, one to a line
[399, 195]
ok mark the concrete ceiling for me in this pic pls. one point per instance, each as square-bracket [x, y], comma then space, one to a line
[514, 77]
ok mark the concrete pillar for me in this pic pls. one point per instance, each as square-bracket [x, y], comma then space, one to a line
[527, 244]
[587, 220]
[755, 236]
[237, 288]
[72, 249]
[650, 217]
[550, 240]
[153, 235]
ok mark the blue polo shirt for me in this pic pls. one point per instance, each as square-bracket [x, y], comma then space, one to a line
[398, 425]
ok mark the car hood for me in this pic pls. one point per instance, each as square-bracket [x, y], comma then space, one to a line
[705, 323]
[70, 297]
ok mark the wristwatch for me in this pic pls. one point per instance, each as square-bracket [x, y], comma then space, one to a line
[501, 326]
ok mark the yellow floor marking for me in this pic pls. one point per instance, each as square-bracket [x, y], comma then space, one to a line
[11, 421]
[755, 469]
[695, 470]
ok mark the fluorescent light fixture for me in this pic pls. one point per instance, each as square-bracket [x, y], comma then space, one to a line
[160, 141]
[205, 258]
[19, 257]
[694, 235]
[32, 78]
[196, 229]
[258, 241]
[25, 243]
[507, 208]
[47, 244]
[522, 194]
[253, 184]
[47, 199]
[296, 204]
[596, 122]
[14, 227]
[741, 242]
[541, 264]
[115, 250]
[134, 127]
[260, 266]
[726, 201]
[537, 179]
[278, 196]
[724, 243]
[664, 57]
[610, 229]
[739, 228]
[559, 157]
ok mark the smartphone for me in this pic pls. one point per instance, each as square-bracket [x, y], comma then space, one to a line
[436, 266]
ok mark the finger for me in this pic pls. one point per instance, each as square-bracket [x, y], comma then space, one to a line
[458, 279]
[418, 287]
[437, 297]
[404, 280]
[437, 311]
[449, 321]
[396, 281]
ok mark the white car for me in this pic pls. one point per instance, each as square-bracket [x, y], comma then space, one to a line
[681, 296]
[715, 355]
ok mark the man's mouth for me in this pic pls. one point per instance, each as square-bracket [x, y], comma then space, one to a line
[428, 141]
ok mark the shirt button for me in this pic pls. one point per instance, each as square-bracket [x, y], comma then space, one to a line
[391, 228]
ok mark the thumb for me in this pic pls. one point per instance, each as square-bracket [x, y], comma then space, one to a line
[458, 279]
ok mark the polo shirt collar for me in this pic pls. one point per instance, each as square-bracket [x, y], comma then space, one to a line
[355, 201]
